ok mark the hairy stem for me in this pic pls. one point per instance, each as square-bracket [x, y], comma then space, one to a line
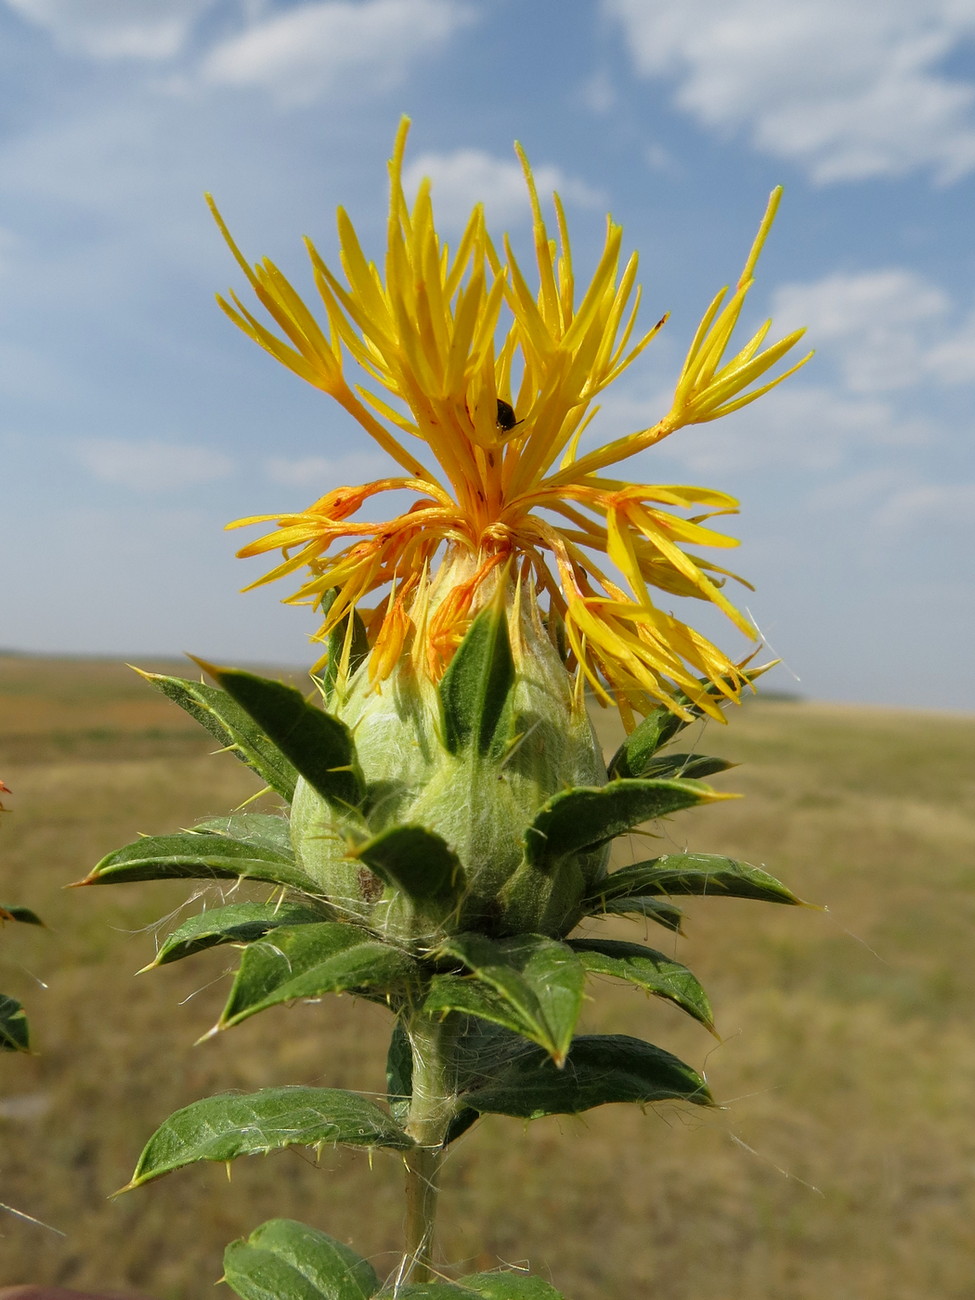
[432, 1106]
[422, 1187]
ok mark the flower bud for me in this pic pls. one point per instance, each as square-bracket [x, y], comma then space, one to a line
[471, 761]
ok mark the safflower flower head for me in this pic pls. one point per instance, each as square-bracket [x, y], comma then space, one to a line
[480, 388]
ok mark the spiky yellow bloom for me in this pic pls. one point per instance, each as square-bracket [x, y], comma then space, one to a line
[495, 382]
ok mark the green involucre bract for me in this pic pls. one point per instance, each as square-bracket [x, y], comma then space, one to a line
[478, 798]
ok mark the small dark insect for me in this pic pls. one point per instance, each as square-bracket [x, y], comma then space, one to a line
[506, 416]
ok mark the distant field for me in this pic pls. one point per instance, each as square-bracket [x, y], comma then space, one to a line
[841, 1166]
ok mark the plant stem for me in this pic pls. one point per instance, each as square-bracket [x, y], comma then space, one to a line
[431, 1109]
[422, 1187]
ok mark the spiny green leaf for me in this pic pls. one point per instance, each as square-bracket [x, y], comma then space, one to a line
[529, 984]
[234, 1124]
[14, 1030]
[202, 855]
[267, 830]
[309, 961]
[475, 688]
[694, 873]
[635, 755]
[600, 1069]
[430, 1291]
[483, 1049]
[591, 815]
[417, 861]
[660, 725]
[660, 910]
[477, 1286]
[319, 745]
[510, 1286]
[399, 1073]
[686, 767]
[231, 726]
[22, 914]
[469, 995]
[650, 970]
[286, 1260]
[240, 923]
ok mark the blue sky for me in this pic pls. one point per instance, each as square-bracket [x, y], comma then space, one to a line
[135, 421]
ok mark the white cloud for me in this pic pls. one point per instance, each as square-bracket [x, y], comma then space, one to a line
[935, 512]
[859, 491]
[808, 425]
[114, 29]
[811, 424]
[879, 322]
[889, 329]
[953, 359]
[317, 475]
[151, 465]
[469, 176]
[600, 93]
[658, 159]
[847, 90]
[804, 428]
[928, 506]
[335, 46]
[306, 472]
[876, 335]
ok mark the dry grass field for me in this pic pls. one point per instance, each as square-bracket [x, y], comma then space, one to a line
[843, 1162]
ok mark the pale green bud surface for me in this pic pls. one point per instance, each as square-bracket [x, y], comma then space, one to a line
[480, 795]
